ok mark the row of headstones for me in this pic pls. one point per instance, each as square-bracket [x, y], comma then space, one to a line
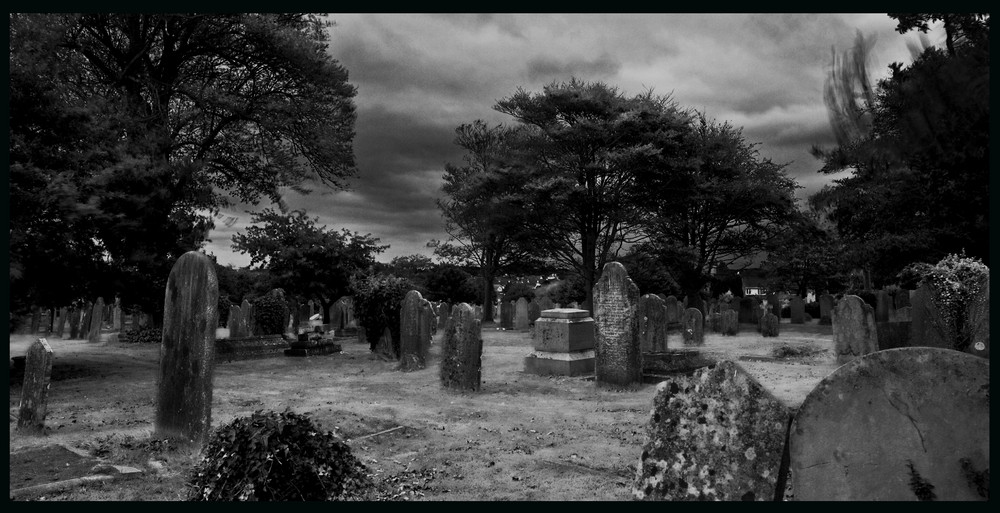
[83, 322]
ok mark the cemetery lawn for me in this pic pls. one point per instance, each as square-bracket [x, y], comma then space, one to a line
[522, 437]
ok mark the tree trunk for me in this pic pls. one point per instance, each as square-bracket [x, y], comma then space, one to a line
[590, 273]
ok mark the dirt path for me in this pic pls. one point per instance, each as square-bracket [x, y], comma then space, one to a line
[523, 437]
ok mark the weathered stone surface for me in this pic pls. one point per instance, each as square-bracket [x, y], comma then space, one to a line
[97, 320]
[556, 332]
[769, 325]
[521, 321]
[978, 319]
[826, 309]
[854, 332]
[693, 331]
[184, 381]
[243, 328]
[616, 328]
[797, 308]
[714, 435]
[893, 334]
[75, 319]
[384, 347]
[663, 365]
[652, 315]
[897, 425]
[901, 298]
[730, 322]
[462, 350]
[674, 310]
[414, 332]
[88, 314]
[35, 387]
[749, 310]
[507, 315]
[883, 306]
[251, 348]
[534, 312]
[233, 323]
[560, 364]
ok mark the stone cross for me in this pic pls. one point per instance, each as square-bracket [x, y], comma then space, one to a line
[35, 388]
[521, 314]
[693, 327]
[462, 350]
[96, 321]
[854, 330]
[798, 310]
[652, 315]
[414, 332]
[184, 381]
[618, 358]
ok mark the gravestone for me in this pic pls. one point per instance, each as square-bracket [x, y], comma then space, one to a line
[928, 327]
[892, 334]
[978, 318]
[97, 320]
[507, 315]
[898, 425]
[901, 298]
[749, 310]
[414, 332]
[521, 314]
[797, 308]
[234, 321]
[618, 358]
[904, 314]
[336, 316]
[184, 382]
[534, 312]
[713, 435]
[61, 324]
[769, 325]
[854, 331]
[245, 316]
[826, 309]
[883, 305]
[563, 340]
[36, 320]
[545, 303]
[652, 315]
[462, 350]
[35, 388]
[693, 327]
[773, 304]
[74, 323]
[730, 322]
[674, 310]
[88, 314]
[116, 315]
[385, 348]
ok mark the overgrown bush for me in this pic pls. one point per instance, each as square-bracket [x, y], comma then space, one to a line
[270, 456]
[812, 309]
[270, 314]
[569, 290]
[955, 280]
[377, 300]
[516, 290]
[142, 335]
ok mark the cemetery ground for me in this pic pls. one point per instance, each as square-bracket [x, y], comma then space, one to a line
[522, 437]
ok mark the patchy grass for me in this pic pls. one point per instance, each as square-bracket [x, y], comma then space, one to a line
[796, 351]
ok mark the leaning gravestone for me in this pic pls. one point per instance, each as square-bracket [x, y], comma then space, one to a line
[35, 387]
[693, 330]
[97, 320]
[826, 309]
[797, 308]
[715, 435]
[978, 318]
[898, 425]
[184, 384]
[730, 322]
[928, 326]
[854, 331]
[652, 315]
[414, 332]
[462, 350]
[521, 314]
[618, 358]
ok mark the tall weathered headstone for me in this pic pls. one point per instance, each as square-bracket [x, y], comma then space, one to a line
[769, 325]
[507, 315]
[521, 314]
[652, 315]
[414, 332]
[234, 321]
[693, 328]
[883, 303]
[462, 350]
[716, 435]
[184, 384]
[826, 309]
[730, 322]
[905, 424]
[35, 387]
[61, 323]
[618, 358]
[88, 314]
[797, 309]
[97, 320]
[854, 331]
[245, 318]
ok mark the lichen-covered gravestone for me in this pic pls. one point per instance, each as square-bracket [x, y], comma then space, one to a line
[898, 425]
[97, 320]
[854, 331]
[714, 435]
[652, 316]
[618, 357]
[184, 384]
[693, 329]
[414, 332]
[462, 350]
[769, 325]
[521, 314]
[35, 388]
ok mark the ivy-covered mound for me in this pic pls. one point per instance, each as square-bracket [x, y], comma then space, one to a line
[271, 456]
[142, 335]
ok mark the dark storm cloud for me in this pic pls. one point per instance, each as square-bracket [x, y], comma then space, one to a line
[549, 68]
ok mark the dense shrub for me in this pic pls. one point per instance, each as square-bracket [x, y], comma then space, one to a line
[270, 314]
[142, 335]
[516, 290]
[270, 456]
[812, 309]
[377, 300]
[955, 281]
[569, 290]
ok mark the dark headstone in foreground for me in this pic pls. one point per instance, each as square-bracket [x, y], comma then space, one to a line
[902, 425]
[618, 357]
[714, 435]
[462, 350]
[35, 388]
[797, 308]
[184, 384]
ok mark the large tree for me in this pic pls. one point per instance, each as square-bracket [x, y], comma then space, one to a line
[305, 259]
[149, 123]
[587, 144]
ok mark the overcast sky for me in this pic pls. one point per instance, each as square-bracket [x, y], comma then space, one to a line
[419, 76]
